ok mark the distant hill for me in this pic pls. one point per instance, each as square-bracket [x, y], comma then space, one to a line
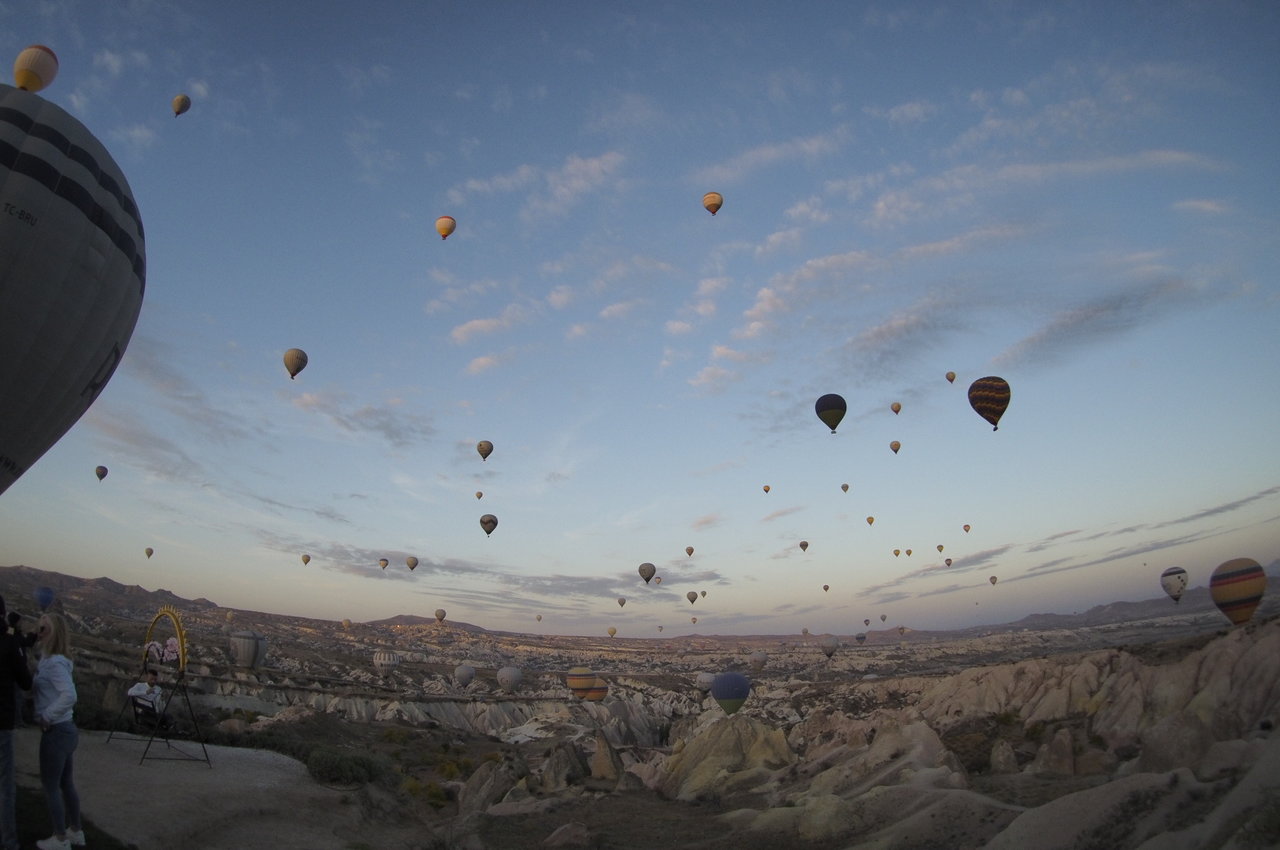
[415, 620]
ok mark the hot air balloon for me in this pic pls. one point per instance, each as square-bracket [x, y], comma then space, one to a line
[181, 103]
[766, 488]
[951, 377]
[101, 472]
[908, 551]
[248, 649]
[489, 522]
[657, 580]
[1237, 587]
[897, 552]
[485, 448]
[939, 548]
[346, 625]
[989, 397]
[844, 487]
[693, 620]
[895, 445]
[440, 615]
[1174, 581]
[692, 596]
[758, 659]
[382, 562]
[866, 622]
[35, 68]
[621, 601]
[712, 201]
[580, 680]
[149, 552]
[902, 630]
[730, 690]
[860, 637]
[966, 529]
[993, 579]
[884, 617]
[445, 225]
[804, 545]
[295, 360]
[830, 409]
[72, 267]
[896, 407]
[647, 571]
[703, 681]
[688, 550]
[829, 644]
[385, 660]
[44, 597]
[612, 631]
[463, 674]
[704, 594]
[411, 562]
[870, 520]
[306, 559]
[509, 678]
[826, 588]
[947, 562]
[659, 628]
[538, 618]
[479, 494]
[805, 631]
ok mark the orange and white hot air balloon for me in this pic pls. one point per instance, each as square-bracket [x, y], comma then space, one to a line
[35, 68]
[445, 225]
[713, 201]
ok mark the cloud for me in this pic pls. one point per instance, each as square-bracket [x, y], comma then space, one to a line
[619, 310]
[628, 113]
[1225, 507]
[676, 327]
[1201, 205]
[136, 136]
[567, 185]
[913, 112]
[373, 160]
[779, 240]
[713, 379]
[512, 315]
[520, 178]
[560, 297]
[707, 521]
[399, 428]
[483, 364]
[742, 165]
[779, 514]
[1106, 316]
[809, 210]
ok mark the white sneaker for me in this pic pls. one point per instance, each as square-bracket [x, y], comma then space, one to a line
[76, 837]
[53, 842]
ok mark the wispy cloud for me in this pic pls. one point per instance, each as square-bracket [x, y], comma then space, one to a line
[779, 514]
[1224, 508]
[512, 315]
[747, 162]
[400, 428]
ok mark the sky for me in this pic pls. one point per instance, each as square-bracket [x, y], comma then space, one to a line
[1080, 198]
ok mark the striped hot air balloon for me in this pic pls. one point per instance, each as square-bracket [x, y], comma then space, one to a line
[580, 681]
[1236, 587]
[989, 397]
[598, 691]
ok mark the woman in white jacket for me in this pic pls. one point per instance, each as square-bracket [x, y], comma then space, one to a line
[55, 692]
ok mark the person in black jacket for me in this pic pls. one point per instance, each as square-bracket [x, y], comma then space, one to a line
[14, 675]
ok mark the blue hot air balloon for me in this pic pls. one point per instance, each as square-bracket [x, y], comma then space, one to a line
[44, 597]
[730, 690]
[830, 409]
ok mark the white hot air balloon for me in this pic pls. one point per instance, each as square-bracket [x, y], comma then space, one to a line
[72, 273]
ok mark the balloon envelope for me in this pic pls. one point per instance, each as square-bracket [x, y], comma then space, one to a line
[730, 690]
[295, 360]
[382, 562]
[993, 579]
[989, 397]
[411, 562]
[692, 596]
[647, 571]
[509, 678]
[385, 660]
[829, 644]
[148, 551]
[1236, 587]
[248, 649]
[758, 660]
[688, 550]
[306, 559]
[830, 409]
[580, 680]
[598, 691]
[44, 597]
[1174, 581]
[489, 522]
[621, 601]
[485, 448]
[612, 631]
[181, 103]
[440, 614]
[860, 637]
[463, 674]
[712, 201]
[35, 68]
[72, 274]
[804, 545]
[951, 377]
[445, 225]
[101, 472]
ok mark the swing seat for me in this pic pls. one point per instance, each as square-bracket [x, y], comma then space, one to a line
[147, 720]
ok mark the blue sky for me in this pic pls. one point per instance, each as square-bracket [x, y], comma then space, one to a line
[1081, 198]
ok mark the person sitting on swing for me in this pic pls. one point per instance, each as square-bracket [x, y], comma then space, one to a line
[150, 690]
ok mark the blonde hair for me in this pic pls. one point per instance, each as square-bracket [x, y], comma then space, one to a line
[58, 639]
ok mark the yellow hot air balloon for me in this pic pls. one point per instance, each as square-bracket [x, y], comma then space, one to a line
[1237, 587]
[479, 494]
[295, 360]
[951, 377]
[485, 448]
[897, 552]
[688, 550]
[870, 520]
[445, 225]
[896, 407]
[908, 551]
[766, 488]
[72, 268]
[712, 201]
[804, 545]
[382, 562]
[35, 68]
[612, 631]
[306, 559]
[149, 551]
[895, 445]
[411, 562]
[939, 547]
[181, 103]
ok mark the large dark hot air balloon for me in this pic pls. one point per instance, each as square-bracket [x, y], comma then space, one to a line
[989, 397]
[44, 597]
[488, 522]
[1236, 587]
[730, 690]
[101, 472]
[295, 360]
[72, 267]
[647, 571]
[830, 409]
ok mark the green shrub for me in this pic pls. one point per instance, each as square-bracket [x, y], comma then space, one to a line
[338, 767]
[449, 770]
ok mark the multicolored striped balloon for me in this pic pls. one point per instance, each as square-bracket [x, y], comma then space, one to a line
[580, 681]
[1236, 588]
[989, 397]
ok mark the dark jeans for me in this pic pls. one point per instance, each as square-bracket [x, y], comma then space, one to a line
[57, 746]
